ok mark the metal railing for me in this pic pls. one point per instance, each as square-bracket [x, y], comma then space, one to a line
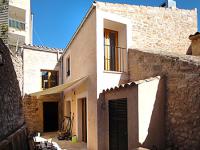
[16, 24]
[115, 58]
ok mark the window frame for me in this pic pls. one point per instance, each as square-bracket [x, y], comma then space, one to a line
[68, 71]
[107, 65]
[57, 80]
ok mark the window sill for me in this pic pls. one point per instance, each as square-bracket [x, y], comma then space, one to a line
[113, 72]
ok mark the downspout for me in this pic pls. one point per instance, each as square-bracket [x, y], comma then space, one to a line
[62, 81]
[62, 94]
[22, 55]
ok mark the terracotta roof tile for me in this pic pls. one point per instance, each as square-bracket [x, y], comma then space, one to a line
[130, 84]
[43, 48]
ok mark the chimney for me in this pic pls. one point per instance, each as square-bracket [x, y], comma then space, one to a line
[195, 44]
[169, 4]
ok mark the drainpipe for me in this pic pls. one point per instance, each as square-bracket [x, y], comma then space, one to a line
[62, 79]
[57, 55]
[61, 110]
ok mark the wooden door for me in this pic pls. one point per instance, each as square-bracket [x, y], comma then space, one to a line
[50, 116]
[118, 129]
[84, 120]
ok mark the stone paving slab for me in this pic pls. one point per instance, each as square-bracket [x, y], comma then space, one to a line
[63, 144]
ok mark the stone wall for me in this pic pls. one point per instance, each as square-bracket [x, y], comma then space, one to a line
[196, 47]
[33, 111]
[18, 66]
[4, 20]
[12, 131]
[182, 92]
[156, 28]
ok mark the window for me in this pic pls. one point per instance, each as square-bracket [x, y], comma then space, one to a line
[114, 56]
[68, 67]
[16, 24]
[49, 79]
[110, 50]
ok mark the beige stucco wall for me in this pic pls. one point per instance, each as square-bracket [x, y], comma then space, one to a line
[34, 61]
[151, 113]
[82, 52]
[145, 110]
[156, 28]
[131, 94]
[196, 47]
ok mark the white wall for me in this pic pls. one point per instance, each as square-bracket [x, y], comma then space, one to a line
[34, 61]
[26, 5]
[147, 92]
[110, 79]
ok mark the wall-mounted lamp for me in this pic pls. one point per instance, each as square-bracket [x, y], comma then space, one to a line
[1, 58]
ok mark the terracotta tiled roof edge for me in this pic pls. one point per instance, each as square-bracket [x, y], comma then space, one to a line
[43, 48]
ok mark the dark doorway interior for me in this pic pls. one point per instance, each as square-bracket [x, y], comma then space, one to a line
[118, 130]
[84, 120]
[50, 115]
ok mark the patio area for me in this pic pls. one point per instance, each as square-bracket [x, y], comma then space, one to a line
[63, 144]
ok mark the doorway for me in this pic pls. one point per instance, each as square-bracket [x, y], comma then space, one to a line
[118, 125]
[50, 116]
[68, 108]
[82, 120]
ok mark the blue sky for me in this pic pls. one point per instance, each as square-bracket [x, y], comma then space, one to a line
[56, 21]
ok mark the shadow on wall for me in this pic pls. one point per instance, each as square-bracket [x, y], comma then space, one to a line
[155, 139]
[189, 51]
[12, 131]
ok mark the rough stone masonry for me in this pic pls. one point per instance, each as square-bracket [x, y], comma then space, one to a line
[13, 133]
[156, 28]
[182, 95]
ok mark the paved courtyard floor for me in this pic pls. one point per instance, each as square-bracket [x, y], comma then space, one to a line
[63, 144]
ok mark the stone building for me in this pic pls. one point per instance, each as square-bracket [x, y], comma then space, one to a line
[99, 57]
[116, 45]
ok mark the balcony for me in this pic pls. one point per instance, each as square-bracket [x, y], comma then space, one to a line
[16, 24]
[114, 58]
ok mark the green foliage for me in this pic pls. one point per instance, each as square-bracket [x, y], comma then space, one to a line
[2, 1]
[4, 28]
